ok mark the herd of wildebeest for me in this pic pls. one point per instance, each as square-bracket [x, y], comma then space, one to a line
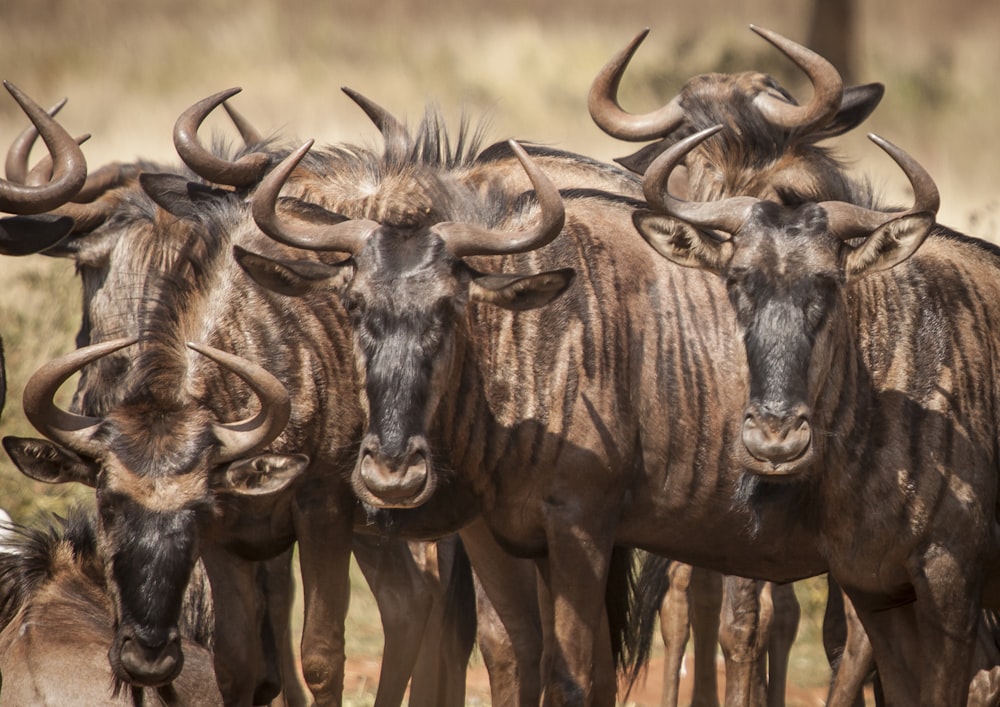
[511, 380]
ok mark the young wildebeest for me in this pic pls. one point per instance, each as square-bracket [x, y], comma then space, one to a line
[871, 403]
[769, 151]
[57, 620]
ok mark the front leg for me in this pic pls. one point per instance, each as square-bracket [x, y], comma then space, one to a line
[237, 646]
[324, 534]
[404, 603]
[923, 650]
[784, 627]
[509, 621]
[746, 615]
[579, 558]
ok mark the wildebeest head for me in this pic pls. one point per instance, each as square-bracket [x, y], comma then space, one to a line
[155, 485]
[786, 270]
[406, 288]
[769, 149]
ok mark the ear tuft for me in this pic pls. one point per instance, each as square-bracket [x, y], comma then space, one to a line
[889, 245]
[682, 243]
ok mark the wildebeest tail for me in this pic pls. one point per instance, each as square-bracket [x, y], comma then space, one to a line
[648, 587]
[618, 600]
[460, 597]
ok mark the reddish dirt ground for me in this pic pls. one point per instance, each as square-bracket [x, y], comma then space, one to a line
[362, 676]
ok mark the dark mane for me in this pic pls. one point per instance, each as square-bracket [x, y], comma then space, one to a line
[431, 145]
[29, 557]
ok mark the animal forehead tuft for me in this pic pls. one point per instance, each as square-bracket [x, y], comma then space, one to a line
[161, 493]
[157, 442]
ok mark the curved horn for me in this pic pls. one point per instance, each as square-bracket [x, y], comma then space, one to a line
[244, 172]
[250, 134]
[602, 102]
[336, 233]
[16, 166]
[70, 169]
[724, 215]
[394, 133]
[73, 431]
[240, 439]
[464, 239]
[87, 209]
[828, 88]
[41, 173]
[848, 221]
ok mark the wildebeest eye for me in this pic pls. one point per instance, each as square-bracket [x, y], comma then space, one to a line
[108, 510]
[821, 298]
[353, 301]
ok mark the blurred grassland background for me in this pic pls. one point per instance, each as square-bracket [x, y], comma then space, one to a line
[129, 67]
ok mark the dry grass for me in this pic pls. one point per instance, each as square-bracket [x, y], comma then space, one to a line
[130, 66]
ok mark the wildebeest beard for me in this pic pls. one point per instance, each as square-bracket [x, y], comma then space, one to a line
[756, 495]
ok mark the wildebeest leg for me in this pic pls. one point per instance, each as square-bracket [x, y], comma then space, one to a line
[439, 675]
[744, 625]
[509, 622]
[280, 591]
[237, 650]
[675, 619]
[706, 607]
[932, 639]
[896, 646]
[577, 565]
[784, 627]
[948, 591]
[324, 560]
[984, 689]
[605, 685]
[847, 649]
[404, 603]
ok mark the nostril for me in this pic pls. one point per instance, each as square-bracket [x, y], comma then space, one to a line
[370, 446]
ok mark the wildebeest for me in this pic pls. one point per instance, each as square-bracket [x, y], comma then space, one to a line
[769, 150]
[871, 402]
[107, 218]
[57, 620]
[176, 250]
[569, 427]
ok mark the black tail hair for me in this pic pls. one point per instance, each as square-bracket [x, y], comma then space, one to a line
[649, 586]
[618, 600]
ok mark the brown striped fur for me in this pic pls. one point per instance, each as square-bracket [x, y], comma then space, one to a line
[597, 419]
[899, 381]
[170, 277]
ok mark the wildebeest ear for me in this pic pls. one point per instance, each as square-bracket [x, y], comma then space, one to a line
[262, 475]
[177, 195]
[521, 292]
[682, 243]
[46, 461]
[857, 104]
[24, 235]
[888, 245]
[294, 278]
